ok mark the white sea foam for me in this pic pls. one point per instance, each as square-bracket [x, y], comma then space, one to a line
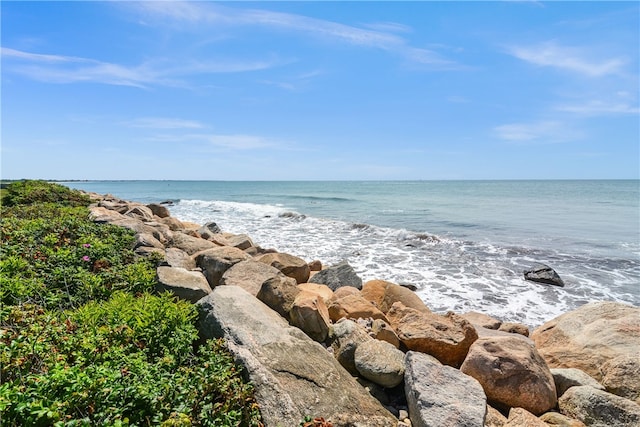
[449, 274]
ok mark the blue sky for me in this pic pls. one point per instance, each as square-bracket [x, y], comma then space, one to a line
[320, 90]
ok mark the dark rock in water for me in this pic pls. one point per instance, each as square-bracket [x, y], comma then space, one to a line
[167, 202]
[409, 286]
[338, 275]
[543, 274]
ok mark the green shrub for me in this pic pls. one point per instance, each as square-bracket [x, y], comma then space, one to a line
[30, 192]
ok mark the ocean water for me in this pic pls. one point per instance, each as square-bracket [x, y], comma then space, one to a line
[464, 244]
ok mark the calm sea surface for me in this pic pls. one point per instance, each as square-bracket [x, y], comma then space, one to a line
[463, 243]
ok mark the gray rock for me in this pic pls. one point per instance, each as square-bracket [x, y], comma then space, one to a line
[542, 273]
[380, 362]
[346, 336]
[147, 240]
[338, 275]
[216, 261]
[279, 293]
[597, 408]
[188, 285]
[140, 212]
[439, 395]
[292, 375]
[565, 378]
[140, 227]
[622, 377]
[249, 275]
[240, 241]
[208, 230]
[289, 265]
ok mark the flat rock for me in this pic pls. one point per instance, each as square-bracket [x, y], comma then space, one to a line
[512, 374]
[249, 275]
[191, 244]
[597, 408]
[439, 395]
[380, 362]
[292, 375]
[564, 378]
[542, 273]
[555, 419]
[188, 285]
[289, 265]
[337, 276]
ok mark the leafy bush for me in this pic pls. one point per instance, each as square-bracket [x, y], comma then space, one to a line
[83, 341]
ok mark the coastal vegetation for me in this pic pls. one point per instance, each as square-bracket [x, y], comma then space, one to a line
[84, 337]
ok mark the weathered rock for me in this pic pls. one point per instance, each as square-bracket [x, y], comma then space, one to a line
[487, 333]
[344, 291]
[279, 293]
[622, 377]
[494, 418]
[289, 265]
[174, 224]
[249, 275]
[542, 273]
[322, 290]
[555, 419]
[346, 336]
[315, 265]
[140, 212]
[209, 230]
[382, 331]
[447, 338]
[310, 314]
[190, 244]
[597, 408]
[216, 261]
[354, 307]
[113, 204]
[101, 214]
[292, 375]
[338, 275]
[188, 285]
[146, 251]
[380, 362]
[589, 336]
[519, 417]
[147, 240]
[383, 294]
[512, 373]
[140, 227]
[178, 258]
[159, 210]
[440, 395]
[571, 377]
[514, 328]
[240, 241]
[482, 320]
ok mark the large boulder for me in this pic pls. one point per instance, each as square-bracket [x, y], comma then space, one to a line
[147, 240]
[140, 212]
[512, 374]
[354, 307]
[140, 227]
[216, 261]
[382, 331]
[292, 375]
[209, 230]
[565, 378]
[249, 275]
[621, 377]
[597, 408]
[159, 210]
[542, 273]
[240, 241]
[188, 285]
[447, 338]
[310, 314]
[590, 336]
[440, 395]
[289, 265]
[279, 293]
[482, 320]
[337, 276]
[346, 336]
[519, 417]
[191, 244]
[101, 214]
[380, 362]
[383, 294]
[178, 258]
[514, 328]
[322, 290]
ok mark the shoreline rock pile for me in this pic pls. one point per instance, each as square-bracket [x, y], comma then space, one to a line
[318, 342]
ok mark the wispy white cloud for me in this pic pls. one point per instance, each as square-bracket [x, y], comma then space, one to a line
[599, 108]
[234, 142]
[578, 60]
[541, 132]
[163, 123]
[70, 69]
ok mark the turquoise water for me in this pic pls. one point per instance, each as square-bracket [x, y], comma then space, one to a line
[463, 243]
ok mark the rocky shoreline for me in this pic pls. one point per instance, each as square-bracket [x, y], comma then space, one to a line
[317, 342]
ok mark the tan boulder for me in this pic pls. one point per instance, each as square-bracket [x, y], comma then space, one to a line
[494, 418]
[289, 265]
[159, 210]
[190, 244]
[344, 291]
[315, 265]
[590, 336]
[354, 307]
[174, 224]
[215, 261]
[240, 241]
[383, 294]
[519, 417]
[447, 338]
[188, 285]
[102, 214]
[482, 320]
[382, 331]
[140, 212]
[322, 290]
[598, 408]
[512, 374]
[249, 275]
[555, 419]
[178, 258]
[380, 362]
[622, 377]
[309, 313]
[514, 328]
[279, 293]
